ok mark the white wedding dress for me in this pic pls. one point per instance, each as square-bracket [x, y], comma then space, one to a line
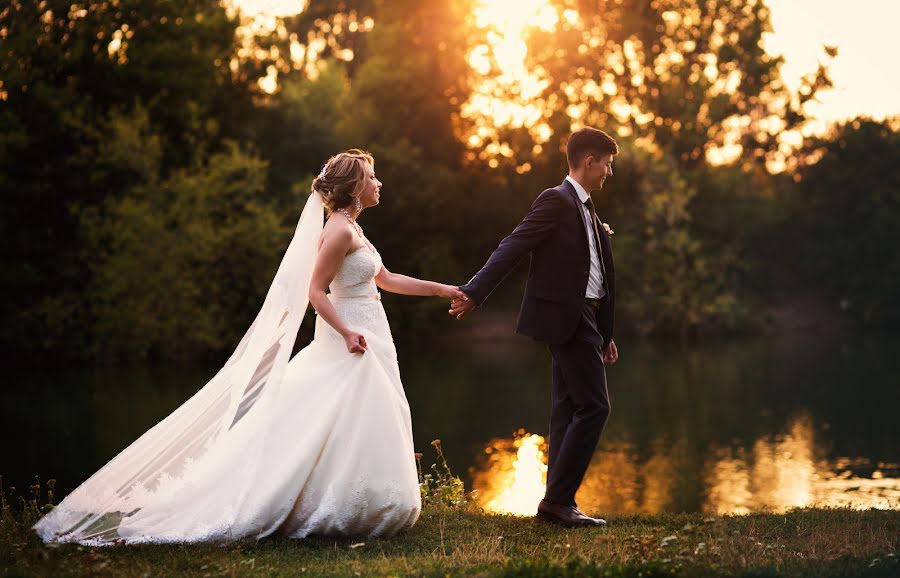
[330, 453]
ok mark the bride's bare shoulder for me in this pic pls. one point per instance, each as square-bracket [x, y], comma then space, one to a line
[336, 233]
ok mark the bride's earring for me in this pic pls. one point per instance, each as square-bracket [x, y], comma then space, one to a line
[358, 206]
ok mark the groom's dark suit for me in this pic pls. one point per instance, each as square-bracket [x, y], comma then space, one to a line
[554, 310]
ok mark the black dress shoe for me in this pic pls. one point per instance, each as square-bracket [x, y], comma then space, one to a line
[565, 516]
[600, 521]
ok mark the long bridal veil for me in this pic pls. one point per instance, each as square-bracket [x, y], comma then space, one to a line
[158, 466]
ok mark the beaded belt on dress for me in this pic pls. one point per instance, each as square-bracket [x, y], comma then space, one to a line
[375, 297]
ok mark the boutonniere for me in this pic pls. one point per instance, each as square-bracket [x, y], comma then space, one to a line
[609, 230]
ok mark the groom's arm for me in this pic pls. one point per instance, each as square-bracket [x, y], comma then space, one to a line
[534, 228]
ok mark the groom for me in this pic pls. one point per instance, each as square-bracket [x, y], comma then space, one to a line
[569, 304]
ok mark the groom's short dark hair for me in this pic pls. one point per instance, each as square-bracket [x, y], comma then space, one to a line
[589, 141]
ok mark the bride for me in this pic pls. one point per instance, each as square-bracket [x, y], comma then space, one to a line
[318, 444]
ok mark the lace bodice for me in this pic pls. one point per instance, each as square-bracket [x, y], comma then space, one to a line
[356, 277]
[356, 298]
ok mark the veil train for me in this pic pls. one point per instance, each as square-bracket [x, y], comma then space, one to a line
[154, 468]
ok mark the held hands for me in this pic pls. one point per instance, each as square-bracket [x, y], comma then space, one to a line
[461, 306]
[450, 292]
[610, 353]
[356, 342]
[460, 303]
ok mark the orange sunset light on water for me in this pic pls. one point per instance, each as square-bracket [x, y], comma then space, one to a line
[775, 474]
[519, 475]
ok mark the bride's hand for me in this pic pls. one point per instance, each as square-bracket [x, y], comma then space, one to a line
[451, 292]
[356, 342]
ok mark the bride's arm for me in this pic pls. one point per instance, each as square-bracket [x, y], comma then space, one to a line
[336, 242]
[404, 285]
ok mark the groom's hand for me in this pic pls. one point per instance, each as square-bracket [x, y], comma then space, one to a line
[461, 306]
[610, 353]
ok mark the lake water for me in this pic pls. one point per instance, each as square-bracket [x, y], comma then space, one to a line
[730, 426]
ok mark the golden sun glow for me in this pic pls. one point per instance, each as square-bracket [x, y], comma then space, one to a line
[787, 472]
[508, 90]
[508, 27]
[518, 476]
[260, 18]
[527, 481]
[505, 90]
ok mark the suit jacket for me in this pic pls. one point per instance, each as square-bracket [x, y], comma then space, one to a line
[553, 234]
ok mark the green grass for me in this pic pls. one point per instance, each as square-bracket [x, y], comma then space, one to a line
[461, 542]
[455, 538]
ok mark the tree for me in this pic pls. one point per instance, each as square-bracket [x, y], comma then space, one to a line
[179, 264]
[675, 283]
[65, 69]
[847, 218]
[687, 77]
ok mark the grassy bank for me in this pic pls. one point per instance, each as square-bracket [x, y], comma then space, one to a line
[457, 542]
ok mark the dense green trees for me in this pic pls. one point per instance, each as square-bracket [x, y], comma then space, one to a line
[99, 100]
[178, 263]
[148, 183]
[846, 219]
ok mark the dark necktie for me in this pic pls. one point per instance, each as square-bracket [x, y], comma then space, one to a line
[589, 203]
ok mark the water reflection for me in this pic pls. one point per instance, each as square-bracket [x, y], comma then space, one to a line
[518, 469]
[775, 473]
[790, 471]
[734, 426]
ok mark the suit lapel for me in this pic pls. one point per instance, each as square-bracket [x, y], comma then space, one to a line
[573, 194]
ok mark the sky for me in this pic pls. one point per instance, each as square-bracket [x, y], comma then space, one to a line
[866, 76]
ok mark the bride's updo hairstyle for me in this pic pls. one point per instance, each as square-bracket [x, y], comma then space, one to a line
[342, 179]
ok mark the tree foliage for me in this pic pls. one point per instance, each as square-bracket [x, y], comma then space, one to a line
[677, 283]
[155, 159]
[179, 264]
[847, 219]
[99, 100]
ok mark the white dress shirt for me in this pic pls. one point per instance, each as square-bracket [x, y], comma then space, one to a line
[595, 278]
